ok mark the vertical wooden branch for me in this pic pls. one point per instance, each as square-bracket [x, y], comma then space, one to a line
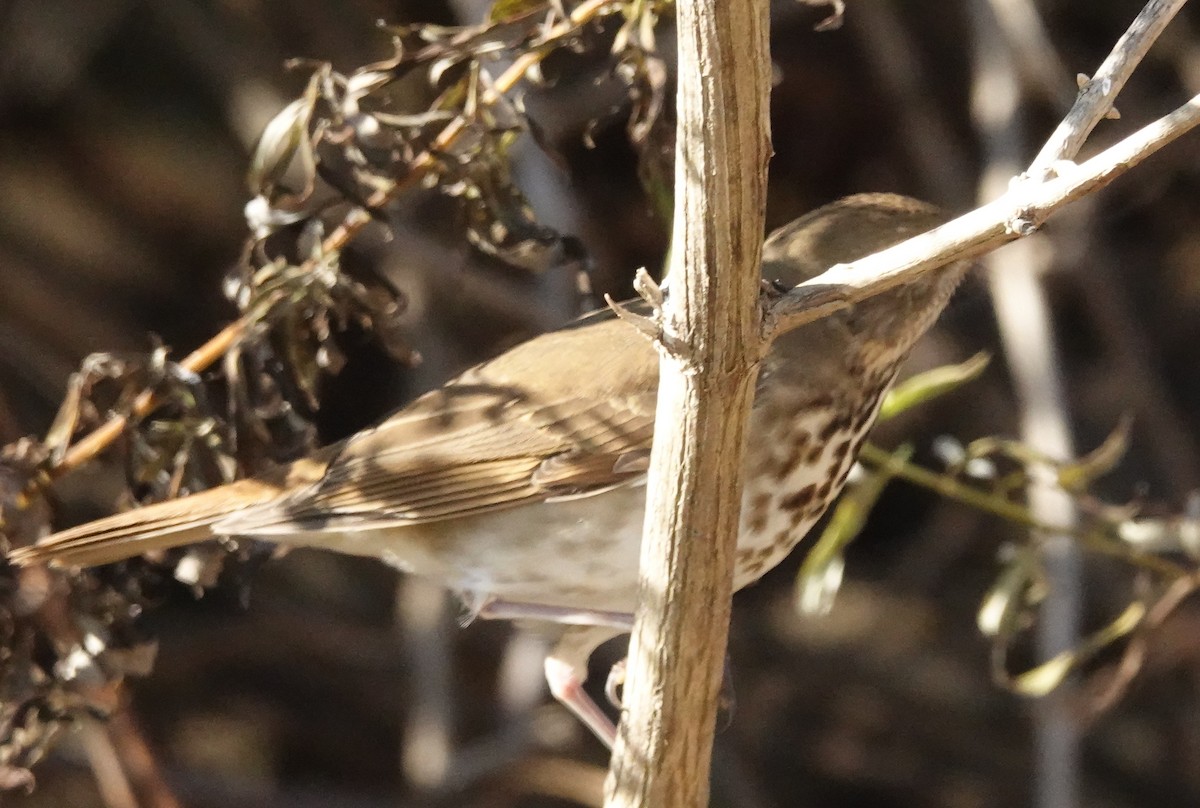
[711, 346]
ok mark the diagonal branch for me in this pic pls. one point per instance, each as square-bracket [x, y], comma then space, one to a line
[1096, 96]
[1029, 203]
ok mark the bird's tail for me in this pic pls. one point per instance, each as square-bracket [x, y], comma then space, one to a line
[173, 523]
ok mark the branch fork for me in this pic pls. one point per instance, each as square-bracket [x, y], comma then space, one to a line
[650, 326]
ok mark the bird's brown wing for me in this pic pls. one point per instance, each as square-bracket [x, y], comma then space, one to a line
[467, 449]
[507, 432]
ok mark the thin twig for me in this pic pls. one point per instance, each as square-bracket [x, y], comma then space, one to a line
[1035, 57]
[111, 781]
[1105, 540]
[141, 767]
[100, 438]
[926, 135]
[1096, 97]
[1022, 209]
[422, 617]
[1143, 386]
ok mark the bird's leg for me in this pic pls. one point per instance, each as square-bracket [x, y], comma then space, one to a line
[566, 671]
[494, 609]
[566, 665]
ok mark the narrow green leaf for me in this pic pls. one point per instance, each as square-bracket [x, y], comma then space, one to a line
[931, 384]
[1076, 476]
[1015, 588]
[1044, 678]
[820, 575]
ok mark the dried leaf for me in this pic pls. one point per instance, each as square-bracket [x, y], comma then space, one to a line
[282, 140]
[14, 777]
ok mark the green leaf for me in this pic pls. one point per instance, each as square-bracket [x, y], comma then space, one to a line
[1018, 586]
[820, 575]
[931, 384]
[1044, 678]
[1078, 475]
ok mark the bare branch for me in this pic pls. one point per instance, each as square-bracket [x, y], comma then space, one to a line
[1097, 95]
[1029, 203]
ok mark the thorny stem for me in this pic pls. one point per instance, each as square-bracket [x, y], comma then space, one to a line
[216, 347]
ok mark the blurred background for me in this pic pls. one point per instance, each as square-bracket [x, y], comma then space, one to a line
[125, 132]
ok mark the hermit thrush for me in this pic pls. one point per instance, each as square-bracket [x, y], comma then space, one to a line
[520, 484]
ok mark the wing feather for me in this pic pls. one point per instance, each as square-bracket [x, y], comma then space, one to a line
[489, 440]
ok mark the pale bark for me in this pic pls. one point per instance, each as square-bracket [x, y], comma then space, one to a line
[711, 346]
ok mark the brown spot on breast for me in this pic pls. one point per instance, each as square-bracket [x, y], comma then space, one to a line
[785, 469]
[799, 500]
[774, 466]
[839, 424]
[754, 568]
[840, 451]
[800, 445]
[759, 511]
